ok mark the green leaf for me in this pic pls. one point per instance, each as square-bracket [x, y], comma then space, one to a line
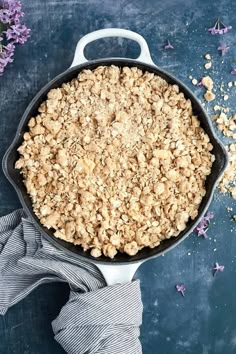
[234, 60]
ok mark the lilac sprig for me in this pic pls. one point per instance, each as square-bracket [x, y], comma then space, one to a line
[168, 45]
[208, 217]
[12, 31]
[18, 33]
[202, 228]
[6, 56]
[180, 288]
[223, 48]
[200, 83]
[10, 11]
[218, 268]
[219, 28]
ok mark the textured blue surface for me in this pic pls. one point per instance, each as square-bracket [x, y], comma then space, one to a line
[204, 322]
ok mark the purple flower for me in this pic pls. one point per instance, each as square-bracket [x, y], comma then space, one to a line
[168, 45]
[212, 30]
[224, 49]
[18, 33]
[225, 28]
[202, 227]
[181, 288]
[208, 216]
[200, 83]
[11, 12]
[14, 32]
[219, 28]
[233, 72]
[201, 230]
[4, 16]
[6, 56]
[218, 268]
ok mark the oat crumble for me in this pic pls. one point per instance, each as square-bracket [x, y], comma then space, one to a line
[194, 82]
[208, 56]
[115, 160]
[208, 65]
[228, 180]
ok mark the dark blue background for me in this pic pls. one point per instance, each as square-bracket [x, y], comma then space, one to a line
[204, 322]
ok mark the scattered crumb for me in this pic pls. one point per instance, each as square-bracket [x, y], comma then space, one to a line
[189, 254]
[208, 65]
[207, 82]
[226, 97]
[194, 82]
[230, 84]
[221, 108]
[229, 209]
[207, 56]
[226, 124]
[234, 217]
[190, 77]
[234, 83]
[222, 87]
[215, 249]
[209, 96]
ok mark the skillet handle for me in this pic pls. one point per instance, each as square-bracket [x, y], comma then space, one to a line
[118, 274]
[79, 57]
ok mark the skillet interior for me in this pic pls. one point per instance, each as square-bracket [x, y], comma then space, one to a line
[16, 179]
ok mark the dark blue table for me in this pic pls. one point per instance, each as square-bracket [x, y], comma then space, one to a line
[204, 322]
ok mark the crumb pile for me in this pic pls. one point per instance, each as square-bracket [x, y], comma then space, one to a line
[228, 180]
[208, 64]
[115, 160]
[227, 125]
[208, 83]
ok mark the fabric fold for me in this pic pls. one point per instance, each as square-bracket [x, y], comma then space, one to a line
[96, 319]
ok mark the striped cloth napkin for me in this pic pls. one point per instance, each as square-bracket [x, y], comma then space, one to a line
[96, 319]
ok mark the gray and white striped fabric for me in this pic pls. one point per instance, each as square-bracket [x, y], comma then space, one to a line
[96, 319]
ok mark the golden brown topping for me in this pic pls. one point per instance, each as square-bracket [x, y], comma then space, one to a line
[115, 160]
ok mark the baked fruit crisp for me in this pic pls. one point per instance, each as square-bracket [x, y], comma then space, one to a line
[115, 160]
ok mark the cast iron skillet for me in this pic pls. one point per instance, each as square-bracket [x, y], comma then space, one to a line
[145, 63]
